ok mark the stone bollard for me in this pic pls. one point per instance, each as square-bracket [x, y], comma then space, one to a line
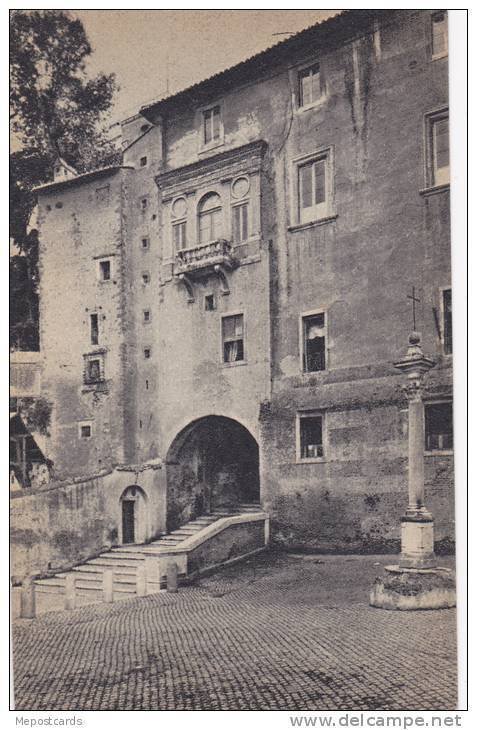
[141, 581]
[70, 591]
[172, 579]
[28, 599]
[108, 586]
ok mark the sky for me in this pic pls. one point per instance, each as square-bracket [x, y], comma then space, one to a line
[152, 51]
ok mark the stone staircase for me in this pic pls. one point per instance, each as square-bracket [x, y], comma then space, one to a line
[125, 560]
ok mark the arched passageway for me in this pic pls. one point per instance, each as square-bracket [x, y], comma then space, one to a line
[212, 464]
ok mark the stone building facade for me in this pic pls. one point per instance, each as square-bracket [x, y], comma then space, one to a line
[226, 306]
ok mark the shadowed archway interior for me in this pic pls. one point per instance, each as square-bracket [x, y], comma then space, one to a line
[212, 465]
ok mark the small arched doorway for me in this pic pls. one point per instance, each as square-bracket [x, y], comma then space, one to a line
[212, 465]
[133, 516]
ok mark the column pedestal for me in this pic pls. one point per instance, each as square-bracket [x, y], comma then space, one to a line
[417, 542]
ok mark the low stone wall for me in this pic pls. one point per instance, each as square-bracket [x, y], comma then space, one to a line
[66, 524]
[234, 542]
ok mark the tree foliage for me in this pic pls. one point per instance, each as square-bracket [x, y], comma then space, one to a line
[56, 109]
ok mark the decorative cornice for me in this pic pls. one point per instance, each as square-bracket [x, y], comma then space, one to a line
[248, 158]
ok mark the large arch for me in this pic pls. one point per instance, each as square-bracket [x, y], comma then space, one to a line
[212, 465]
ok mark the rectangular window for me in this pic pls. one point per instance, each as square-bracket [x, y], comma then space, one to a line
[312, 190]
[314, 343]
[146, 315]
[240, 222]
[179, 231]
[447, 320]
[144, 243]
[439, 427]
[143, 161]
[85, 430]
[439, 35]
[309, 85]
[232, 338]
[209, 302]
[438, 149]
[94, 330]
[311, 437]
[212, 124]
[143, 204]
[93, 370]
[105, 270]
[147, 353]
[146, 277]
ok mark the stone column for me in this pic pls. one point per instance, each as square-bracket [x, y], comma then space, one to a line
[416, 582]
[417, 526]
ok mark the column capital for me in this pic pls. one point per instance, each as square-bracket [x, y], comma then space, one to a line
[415, 364]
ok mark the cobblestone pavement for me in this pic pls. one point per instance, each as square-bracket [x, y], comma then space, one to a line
[278, 633]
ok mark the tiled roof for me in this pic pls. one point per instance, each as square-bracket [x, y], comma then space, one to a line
[261, 60]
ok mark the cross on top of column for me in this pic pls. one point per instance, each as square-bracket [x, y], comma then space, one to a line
[414, 300]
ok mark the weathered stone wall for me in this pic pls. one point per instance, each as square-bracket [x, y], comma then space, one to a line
[235, 541]
[79, 224]
[65, 524]
[141, 412]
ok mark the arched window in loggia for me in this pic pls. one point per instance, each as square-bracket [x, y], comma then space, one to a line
[210, 218]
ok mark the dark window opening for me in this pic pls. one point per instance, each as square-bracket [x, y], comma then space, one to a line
[93, 371]
[145, 278]
[143, 161]
[85, 432]
[145, 243]
[447, 304]
[147, 353]
[311, 437]
[105, 270]
[232, 338]
[147, 315]
[439, 427]
[209, 302]
[94, 329]
[143, 203]
[314, 345]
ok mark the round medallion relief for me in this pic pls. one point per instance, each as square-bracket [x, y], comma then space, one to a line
[240, 187]
[179, 208]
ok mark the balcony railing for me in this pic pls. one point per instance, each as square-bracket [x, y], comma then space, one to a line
[204, 256]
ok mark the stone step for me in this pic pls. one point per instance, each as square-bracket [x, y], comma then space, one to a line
[185, 531]
[99, 568]
[117, 554]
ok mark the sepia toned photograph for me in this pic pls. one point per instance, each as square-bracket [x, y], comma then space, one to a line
[231, 361]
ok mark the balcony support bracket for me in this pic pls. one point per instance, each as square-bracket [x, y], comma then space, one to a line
[224, 284]
[184, 279]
